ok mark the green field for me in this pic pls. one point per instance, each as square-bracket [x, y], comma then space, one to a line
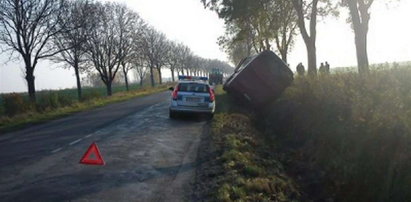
[18, 112]
[70, 94]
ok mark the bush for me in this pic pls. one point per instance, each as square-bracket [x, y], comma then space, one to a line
[47, 100]
[355, 129]
[14, 104]
[2, 112]
[65, 99]
[92, 94]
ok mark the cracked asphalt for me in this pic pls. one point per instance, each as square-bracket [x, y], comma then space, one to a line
[148, 156]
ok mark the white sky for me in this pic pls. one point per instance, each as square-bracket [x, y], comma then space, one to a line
[187, 21]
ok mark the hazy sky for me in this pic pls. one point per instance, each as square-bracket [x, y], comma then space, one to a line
[187, 21]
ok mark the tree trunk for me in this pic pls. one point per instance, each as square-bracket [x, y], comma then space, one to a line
[109, 89]
[152, 77]
[309, 39]
[141, 82]
[172, 75]
[360, 19]
[78, 80]
[126, 81]
[312, 58]
[160, 80]
[362, 56]
[125, 78]
[30, 83]
[283, 55]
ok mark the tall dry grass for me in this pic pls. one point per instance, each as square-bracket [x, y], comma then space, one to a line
[353, 129]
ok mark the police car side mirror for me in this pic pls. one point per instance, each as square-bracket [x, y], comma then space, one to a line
[171, 88]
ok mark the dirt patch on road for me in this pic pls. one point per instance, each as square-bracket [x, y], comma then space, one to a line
[209, 168]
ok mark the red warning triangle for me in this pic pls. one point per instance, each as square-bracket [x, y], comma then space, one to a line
[88, 156]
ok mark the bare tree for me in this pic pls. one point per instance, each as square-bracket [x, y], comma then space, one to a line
[186, 55]
[104, 44]
[154, 46]
[140, 68]
[92, 79]
[70, 43]
[161, 48]
[197, 65]
[149, 39]
[26, 27]
[130, 25]
[174, 58]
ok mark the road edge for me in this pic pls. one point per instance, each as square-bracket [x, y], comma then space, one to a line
[42, 118]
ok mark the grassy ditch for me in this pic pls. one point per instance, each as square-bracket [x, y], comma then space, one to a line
[34, 116]
[249, 171]
[338, 137]
[350, 134]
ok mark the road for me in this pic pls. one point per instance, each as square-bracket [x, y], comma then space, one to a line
[148, 156]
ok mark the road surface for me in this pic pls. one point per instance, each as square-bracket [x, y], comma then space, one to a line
[148, 156]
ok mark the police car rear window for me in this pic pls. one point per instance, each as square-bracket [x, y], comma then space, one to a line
[193, 88]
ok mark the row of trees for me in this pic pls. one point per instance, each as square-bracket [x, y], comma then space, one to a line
[252, 26]
[90, 36]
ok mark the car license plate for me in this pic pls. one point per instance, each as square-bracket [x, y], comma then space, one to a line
[193, 99]
[202, 104]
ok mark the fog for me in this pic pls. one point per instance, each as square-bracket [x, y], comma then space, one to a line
[187, 21]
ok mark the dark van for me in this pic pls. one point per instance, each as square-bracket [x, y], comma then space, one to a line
[260, 79]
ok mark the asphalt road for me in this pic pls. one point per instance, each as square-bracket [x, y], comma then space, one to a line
[148, 156]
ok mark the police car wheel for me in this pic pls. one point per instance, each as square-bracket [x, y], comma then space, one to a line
[172, 115]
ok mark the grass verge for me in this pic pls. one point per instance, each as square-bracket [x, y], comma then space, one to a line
[250, 172]
[341, 137]
[347, 132]
[8, 124]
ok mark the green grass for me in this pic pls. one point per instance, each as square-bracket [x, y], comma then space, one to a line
[34, 117]
[347, 135]
[70, 94]
[248, 174]
[356, 130]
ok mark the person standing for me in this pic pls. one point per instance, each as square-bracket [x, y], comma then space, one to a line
[327, 68]
[300, 69]
[322, 68]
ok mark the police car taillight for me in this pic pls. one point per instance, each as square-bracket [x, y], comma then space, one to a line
[212, 95]
[175, 93]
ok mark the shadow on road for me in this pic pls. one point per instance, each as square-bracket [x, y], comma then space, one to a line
[192, 117]
[88, 182]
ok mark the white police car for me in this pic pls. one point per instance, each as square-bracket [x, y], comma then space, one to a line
[192, 95]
